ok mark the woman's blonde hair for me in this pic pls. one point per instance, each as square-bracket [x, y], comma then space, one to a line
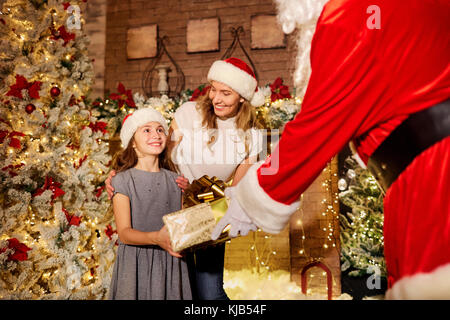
[245, 118]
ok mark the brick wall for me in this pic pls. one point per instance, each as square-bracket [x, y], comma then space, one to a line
[94, 12]
[272, 251]
[171, 16]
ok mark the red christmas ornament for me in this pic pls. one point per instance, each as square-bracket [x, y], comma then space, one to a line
[30, 108]
[55, 92]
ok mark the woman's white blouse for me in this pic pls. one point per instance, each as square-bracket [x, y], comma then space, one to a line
[195, 158]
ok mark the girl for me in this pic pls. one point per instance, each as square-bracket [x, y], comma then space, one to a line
[146, 267]
[217, 136]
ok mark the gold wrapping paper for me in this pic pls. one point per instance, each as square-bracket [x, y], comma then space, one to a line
[205, 204]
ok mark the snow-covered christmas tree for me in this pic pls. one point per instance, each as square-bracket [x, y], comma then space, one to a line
[56, 238]
[362, 241]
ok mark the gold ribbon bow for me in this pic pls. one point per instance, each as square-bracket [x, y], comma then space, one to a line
[203, 190]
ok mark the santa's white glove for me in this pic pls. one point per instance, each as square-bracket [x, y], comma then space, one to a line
[236, 217]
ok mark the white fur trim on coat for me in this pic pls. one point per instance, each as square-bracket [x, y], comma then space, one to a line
[268, 214]
[434, 285]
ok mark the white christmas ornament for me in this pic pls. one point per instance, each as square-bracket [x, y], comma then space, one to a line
[342, 184]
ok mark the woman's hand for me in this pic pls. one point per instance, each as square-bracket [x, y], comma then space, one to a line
[182, 182]
[163, 240]
[109, 187]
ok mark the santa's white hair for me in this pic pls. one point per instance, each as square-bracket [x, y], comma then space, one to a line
[301, 15]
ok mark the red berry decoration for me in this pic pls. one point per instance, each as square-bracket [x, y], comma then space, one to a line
[30, 108]
[55, 92]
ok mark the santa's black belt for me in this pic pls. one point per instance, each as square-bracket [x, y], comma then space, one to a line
[417, 133]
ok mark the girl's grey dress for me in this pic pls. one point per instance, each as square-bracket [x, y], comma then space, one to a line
[148, 272]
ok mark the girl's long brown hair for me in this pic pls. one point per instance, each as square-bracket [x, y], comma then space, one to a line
[127, 158]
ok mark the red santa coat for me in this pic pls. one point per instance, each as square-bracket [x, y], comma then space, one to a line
[365, 82]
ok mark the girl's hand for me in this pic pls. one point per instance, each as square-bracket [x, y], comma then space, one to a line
[182, 182]
[163, 240]
[109, 187]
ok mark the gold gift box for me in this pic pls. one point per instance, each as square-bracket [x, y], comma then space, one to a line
[191, 228]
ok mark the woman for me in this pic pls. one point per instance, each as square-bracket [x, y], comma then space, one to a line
[216, 136]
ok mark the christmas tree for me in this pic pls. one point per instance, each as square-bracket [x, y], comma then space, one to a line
[362, 242]
[56, 238]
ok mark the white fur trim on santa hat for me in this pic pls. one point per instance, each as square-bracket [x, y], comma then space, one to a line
[234, 77]
[434, 285]
[137, 119]
[268, 214]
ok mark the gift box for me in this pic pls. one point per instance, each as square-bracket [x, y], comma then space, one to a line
[205, 204]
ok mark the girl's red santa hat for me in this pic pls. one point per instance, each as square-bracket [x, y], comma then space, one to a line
[137, 119]
[236, 74]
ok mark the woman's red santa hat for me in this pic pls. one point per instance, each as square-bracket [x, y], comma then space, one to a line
[236, 74]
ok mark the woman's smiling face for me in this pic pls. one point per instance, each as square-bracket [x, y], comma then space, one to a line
[224, 99]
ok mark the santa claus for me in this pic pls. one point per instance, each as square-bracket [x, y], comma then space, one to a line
[380, 79]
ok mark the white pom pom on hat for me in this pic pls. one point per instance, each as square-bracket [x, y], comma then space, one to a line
[137, 119]
[258, 98]
[236, 74]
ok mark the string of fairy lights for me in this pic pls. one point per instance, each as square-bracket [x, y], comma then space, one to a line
[262, 251]
[329, 214]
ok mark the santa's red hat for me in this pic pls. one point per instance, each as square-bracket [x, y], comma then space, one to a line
[236, 74]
